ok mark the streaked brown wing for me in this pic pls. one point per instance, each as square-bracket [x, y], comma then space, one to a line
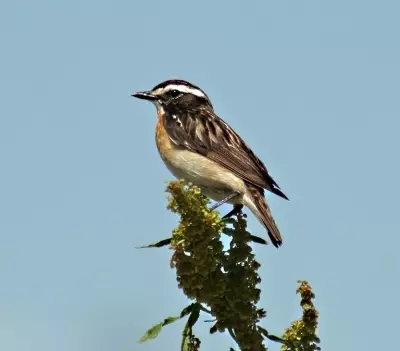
[203, 132]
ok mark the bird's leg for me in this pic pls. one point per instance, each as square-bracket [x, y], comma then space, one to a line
[236, 209]
[219, 203]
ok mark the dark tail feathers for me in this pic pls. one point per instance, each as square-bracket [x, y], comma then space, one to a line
[262, 211]
[276, 191]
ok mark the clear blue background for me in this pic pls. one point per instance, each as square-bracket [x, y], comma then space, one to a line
[312, 86]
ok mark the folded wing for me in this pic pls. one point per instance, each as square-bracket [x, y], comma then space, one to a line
[205, 133]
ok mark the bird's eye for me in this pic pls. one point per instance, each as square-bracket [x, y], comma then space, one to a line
[174, 93]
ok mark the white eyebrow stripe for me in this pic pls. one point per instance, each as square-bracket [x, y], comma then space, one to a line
[183, 89]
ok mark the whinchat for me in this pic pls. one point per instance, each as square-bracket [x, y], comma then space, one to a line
[198, 146]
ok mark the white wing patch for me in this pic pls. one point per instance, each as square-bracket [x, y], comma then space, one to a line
[177, 120]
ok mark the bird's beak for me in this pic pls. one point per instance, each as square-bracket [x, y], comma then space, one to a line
[145, 95]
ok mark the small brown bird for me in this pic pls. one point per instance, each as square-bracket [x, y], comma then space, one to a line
[198, 146]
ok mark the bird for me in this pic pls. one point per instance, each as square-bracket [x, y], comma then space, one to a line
[200, 147]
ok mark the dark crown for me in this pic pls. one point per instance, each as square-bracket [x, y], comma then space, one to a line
[189, 92]
[176, 82]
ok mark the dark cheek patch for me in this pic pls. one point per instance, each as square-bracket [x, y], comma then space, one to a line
[191, 101]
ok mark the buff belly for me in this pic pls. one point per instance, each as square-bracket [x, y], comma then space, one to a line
[215, 181]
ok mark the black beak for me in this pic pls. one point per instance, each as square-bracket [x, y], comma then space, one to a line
[145, 95]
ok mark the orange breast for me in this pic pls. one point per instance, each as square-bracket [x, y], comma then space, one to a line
[164, 144]
[215, 180]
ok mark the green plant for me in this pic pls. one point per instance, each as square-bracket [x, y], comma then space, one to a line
[224, 282]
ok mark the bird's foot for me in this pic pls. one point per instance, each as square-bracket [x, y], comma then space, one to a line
[236, 209]
[219, 203]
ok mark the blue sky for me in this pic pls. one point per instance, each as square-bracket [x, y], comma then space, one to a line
[312, 86]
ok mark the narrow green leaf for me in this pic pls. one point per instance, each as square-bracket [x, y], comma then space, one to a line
[194, 316]
[188, 330]
[272, 337]
[228, 220]
[160, 243]
[263, 331]
[232, 334]
[276, 338]
[258, 240]
[153, 332]
[228, 231]
[170, 320]
[204, 309]
[187, 310]
[213, 329]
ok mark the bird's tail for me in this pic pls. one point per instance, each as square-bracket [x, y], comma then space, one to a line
[256, 202]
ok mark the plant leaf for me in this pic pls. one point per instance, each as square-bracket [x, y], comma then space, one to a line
[258, 240]
[188, 330]
[187, 310]
[272, 337]
[160, 243]
[194, 316]
[228, 220]
[153, 332]
[228, 231]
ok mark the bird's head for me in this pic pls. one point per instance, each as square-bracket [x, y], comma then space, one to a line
[178, 94]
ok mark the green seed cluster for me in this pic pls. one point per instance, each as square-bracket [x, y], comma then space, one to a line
[301, 335]
[242, 292]
[198, 250]
[224, 280]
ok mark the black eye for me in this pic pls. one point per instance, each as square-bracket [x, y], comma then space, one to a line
[174, 93]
